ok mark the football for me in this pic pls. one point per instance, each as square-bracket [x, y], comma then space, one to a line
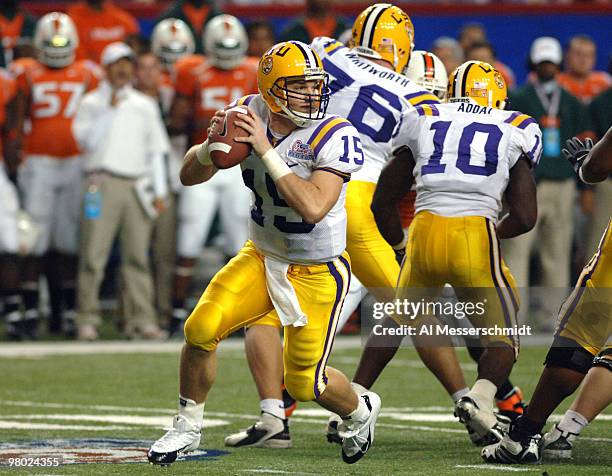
[224, 151]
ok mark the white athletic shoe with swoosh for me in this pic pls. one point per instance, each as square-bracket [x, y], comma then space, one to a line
[357, 437]
[182, 438]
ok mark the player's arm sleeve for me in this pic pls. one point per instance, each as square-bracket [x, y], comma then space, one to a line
[159, 148]
[322, 45]
[337, 149]
[406, 131]
[529, 142]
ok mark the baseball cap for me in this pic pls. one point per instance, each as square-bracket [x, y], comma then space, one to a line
[114, 52]
[546, 48]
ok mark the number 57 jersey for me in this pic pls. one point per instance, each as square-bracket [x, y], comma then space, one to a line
[331, 145]
[463, 154]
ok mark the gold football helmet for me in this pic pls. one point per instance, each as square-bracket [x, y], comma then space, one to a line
[480, 82]
[292, 82]
[384, 31]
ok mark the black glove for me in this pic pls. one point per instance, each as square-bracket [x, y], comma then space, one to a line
[576, 151]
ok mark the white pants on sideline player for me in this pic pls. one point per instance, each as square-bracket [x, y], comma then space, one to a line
[198, 206]
[9, 207]
[52, 191]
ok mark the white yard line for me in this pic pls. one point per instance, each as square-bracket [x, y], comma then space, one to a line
[28, 350]
[275, 471]
[17, 425]
[496, 467]
[311, 416]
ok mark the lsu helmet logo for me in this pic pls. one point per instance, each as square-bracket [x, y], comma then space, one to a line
[499, 80]
[266, 65]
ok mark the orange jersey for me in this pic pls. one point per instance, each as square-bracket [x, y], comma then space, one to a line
[8, 90]
[184, 73]
[406, 208]
[585, 89]
[53, 96]
[98, 28]
[210, 89]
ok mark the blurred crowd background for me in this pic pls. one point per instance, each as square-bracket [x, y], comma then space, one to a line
[98, 237]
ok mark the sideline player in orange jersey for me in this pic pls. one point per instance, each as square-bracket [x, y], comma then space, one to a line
[50, 177]
[226, 75]
[9, 206]
[100, 23]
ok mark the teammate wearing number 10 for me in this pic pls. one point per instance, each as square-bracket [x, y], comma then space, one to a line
[295, 263]
[465, 156]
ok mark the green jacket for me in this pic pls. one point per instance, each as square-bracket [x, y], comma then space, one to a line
[296, 31]
[573, 119]
[176, 11]
[601, 112]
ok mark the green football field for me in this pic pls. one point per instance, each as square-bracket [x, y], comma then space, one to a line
[86, 403]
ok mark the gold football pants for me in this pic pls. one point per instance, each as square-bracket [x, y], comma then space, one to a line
[463, 252]
[238, 296]
[586, 315]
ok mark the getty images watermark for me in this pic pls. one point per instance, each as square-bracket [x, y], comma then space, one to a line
[444, 316]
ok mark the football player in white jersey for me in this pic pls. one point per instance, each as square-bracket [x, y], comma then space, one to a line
[464, 156]
[295, 262]
[368, 89]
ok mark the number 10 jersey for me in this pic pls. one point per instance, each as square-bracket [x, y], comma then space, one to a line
[463, 154]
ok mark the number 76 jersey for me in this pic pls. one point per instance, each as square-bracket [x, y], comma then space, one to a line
[331, 145]
[463, 154]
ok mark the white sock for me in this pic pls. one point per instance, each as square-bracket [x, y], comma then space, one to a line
[359, 389]
[483, 392]
[273, 407]
[572, 422]
[192, 411]
[360, 413]
[459, 394]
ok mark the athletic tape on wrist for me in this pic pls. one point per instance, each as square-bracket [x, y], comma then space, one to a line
[202, 154]
[277, 168]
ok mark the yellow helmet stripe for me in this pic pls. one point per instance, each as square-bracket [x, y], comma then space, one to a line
[369, 25]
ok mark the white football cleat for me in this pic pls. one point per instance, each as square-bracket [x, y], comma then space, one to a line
[484, 426]
[508, 451]
[331, 430]
[357, 437]
[558, 444]
[268, 432]
[182, 438]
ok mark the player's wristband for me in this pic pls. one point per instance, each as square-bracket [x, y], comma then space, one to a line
[202, 154]
[402, 244]
[277, 167]
[584, 162]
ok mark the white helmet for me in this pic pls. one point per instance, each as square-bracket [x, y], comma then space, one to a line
[172, 39]
[56, 39]
[427, 70]
[225, 42]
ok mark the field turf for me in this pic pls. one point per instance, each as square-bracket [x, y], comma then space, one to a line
[132, 396]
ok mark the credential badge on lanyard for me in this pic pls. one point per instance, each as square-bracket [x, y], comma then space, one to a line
[551, 136]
